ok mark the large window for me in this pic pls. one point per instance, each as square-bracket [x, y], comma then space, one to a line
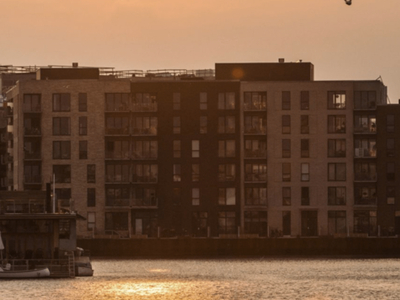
[62, 173]
[256, 148]
[32, 125]
[31, 103]
[61, 150]
[255, 101]
[82, 102]
[286, 100]
[337, 172]
[62, 102]
[336, 195]
[62, 126]
[365, 194]
[337, 124]
[364, 100]
[117, 172]
[226, 101]
[365, 222]
[226, 124]
[255, 196]
[286, 124]
[144, 196]
[336, 148]
[365, 171]
[227, 222]
[145, 173]
[117, 125]
[144, 149]
[286, 148]
[255, 125]
[117, 196]
[199, 223]
[226, 148]
[145, 125]
[364, 147]
[118, 149]
[117, 102]
[83, 125]
[336, 221]
[226, 172]
[63, 196]
[365, 123]
[226, 196]
[32, 173]
[255, 172]
[144, 102]
[255, 222]
[336, 100]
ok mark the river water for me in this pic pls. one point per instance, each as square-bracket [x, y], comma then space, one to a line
[203, 279]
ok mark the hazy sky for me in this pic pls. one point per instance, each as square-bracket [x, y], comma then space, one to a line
[361, 41]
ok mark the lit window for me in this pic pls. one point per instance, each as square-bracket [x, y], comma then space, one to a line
[195, 148]
[227, 196]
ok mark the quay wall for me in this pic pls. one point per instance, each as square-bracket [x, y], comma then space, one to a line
[188, 247]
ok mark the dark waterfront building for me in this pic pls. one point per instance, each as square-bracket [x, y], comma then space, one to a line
[254, 150]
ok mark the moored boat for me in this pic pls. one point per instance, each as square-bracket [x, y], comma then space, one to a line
[24, 274]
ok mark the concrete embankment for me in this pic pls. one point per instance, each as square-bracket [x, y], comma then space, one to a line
[187, 247]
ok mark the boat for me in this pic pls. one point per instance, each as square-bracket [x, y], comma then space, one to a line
[83, 266]
[24, 274]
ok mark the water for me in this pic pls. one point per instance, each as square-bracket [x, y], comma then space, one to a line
[310, 279]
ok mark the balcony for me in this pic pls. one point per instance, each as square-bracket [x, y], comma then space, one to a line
[117, 155]
[33, 179]
[117, 202]
[365, 129]
[255, 130]
[364, 176]
[145, 131]
[22, 206]
[135, 203]
[33, 131]
[255, 177]
[117, 131]
[32, 155]
[258, 153]
[144, 107]
[364, 153]
[144, 202]
[365, 200]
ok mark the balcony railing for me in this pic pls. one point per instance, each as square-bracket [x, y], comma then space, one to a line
[255, 130]
[255, 106]
[365, 176]
[125, 202]
[145, 131]
[364, 129]
[32, 131]
[117, 131]
[33, 179]
[22, 206]
[258, 153]
[139, 107]
[117, 155]
[363, 152]
[33, 155]
[365, 200]
[255, 177]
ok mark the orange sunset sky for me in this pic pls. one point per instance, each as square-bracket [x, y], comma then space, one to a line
[361, 41]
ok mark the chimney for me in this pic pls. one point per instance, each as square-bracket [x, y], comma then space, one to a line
[74, 64]
[281, 60]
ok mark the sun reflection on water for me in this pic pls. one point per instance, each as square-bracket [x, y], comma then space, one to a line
[140, 289]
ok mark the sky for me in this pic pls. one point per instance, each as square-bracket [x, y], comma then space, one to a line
[357, 42]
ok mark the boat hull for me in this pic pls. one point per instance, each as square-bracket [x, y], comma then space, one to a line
[39, 273]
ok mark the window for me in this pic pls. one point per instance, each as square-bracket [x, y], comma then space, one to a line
[364, 123]
[199, 223]
[364, 99]
[226, 196]
[304, 100]
[177, 149]
[32, 173]
[82, 125]
[226, 172]
[336, 148]
[304, 148]
[195, 196]
[336, 195]
[256, 148]
[91, 221]
[91, 197]
[285, 124]
[145, 125]
[117, 172]
[365, 221]
[255, 172]
[389, 148]
[305, 195]
[61, 150]
[203, 101]
[286, 151]
[61, 126]
[305, 172]
[176, 101]
[365, 147]
[226, 101]
[63, 196]
[255, 125]
[176, 168]
[390, 194]
[255, 222]
[31, 103]
[144, 196]
[62, 173]
[390, 123]
[305, 128]
[82, 105]
[83, 149]
[144, 149]
[32, 125]
[365, 171]
[336, 100]
[286, 223]
[118, 149]
[226, 124]
[195, 148]
[337, 172]
[255, 196]
[117, 102]
[117, 196]
[337, 221]
[226, 148]
[91, 174]
[195, 172]
[203, 124]
[336, 124]
[144, 102]
[227, 222]
[61, 102]
[145, 173]
[117, 125]
[365, 194]
[177, 125]
[285, 100]
[390, 171]
[255, 101]
[286, 172]
[286, 196]
[116, 221]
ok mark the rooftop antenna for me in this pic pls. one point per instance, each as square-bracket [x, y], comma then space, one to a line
[348, 2]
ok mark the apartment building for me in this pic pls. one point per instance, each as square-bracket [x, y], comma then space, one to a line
[259, 149]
